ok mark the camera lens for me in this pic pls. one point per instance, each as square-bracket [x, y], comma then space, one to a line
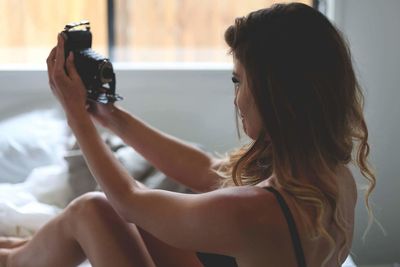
[106, 72]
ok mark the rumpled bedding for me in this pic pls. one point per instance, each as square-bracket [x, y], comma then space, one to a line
[42, 170]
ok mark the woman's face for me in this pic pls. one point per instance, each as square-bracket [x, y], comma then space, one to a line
[244, 101]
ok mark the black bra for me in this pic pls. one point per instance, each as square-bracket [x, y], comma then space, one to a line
[217, 260]
[298, 249]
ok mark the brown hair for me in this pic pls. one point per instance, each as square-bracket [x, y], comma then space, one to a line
[299, 71]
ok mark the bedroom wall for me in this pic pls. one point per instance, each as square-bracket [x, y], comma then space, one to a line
[372, 28]
[193, 103]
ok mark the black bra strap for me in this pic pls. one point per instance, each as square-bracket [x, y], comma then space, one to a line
[292, 227]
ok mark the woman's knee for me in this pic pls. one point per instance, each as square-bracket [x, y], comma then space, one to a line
[89, 205]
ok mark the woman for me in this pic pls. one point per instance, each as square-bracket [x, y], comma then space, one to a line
[285, 199]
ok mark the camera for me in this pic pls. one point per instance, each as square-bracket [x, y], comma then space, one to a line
[95, 70]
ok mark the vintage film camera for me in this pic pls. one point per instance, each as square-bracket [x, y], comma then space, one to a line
[95, 70]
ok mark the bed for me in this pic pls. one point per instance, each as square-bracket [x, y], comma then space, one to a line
[42, 170]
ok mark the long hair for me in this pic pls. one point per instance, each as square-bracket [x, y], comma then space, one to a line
[300, 74]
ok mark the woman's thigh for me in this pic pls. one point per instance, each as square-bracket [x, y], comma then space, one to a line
[165, 255]
[123, 242]
[104, 236]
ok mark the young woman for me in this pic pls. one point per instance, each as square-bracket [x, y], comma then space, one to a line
[285, 199]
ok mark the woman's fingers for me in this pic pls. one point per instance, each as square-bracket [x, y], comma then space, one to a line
[60, 57]
[59, 76]
[50, 62]
[50, 66]
[64, 79]
[51, 58]
[71, 69]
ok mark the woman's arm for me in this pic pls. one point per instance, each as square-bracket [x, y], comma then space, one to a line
[212, 221]
[177, 159]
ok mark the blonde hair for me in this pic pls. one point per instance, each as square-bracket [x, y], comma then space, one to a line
[312, 109]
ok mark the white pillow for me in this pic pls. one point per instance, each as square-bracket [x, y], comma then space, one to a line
[28, 141]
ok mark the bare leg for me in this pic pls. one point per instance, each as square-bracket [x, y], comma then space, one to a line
[167, 256]
[12, 242]
[9, 243]
[89, 227]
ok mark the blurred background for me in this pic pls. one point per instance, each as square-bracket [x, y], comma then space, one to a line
[125, 30]
[173, 69]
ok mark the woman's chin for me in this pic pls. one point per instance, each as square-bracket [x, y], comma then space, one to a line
[244, 127]
[249, 134]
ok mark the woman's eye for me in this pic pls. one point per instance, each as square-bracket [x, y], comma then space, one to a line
[234, 80]
[235, 83]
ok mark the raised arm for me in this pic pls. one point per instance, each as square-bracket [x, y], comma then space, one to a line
[215, 222]
[174, 157]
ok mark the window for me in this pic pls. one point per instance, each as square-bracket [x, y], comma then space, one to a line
[28, 28]
[126, 30]
[170, 30]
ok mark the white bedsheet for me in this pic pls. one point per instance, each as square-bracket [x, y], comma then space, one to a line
[28, 141]
[25, 207]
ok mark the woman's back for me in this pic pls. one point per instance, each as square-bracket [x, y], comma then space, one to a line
[274, 243]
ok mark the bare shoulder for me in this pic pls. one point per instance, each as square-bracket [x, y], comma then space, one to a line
[255, 208]
[250, 204]
[246, 199]
[251, 196]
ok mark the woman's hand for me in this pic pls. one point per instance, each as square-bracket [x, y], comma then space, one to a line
[102, 113]
[65, 82]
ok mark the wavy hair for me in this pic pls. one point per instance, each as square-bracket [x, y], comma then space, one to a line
[299, 71]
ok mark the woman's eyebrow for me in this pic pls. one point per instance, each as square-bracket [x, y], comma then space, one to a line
[235, 74]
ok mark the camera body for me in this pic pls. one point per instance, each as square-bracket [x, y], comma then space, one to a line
[95, 70]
